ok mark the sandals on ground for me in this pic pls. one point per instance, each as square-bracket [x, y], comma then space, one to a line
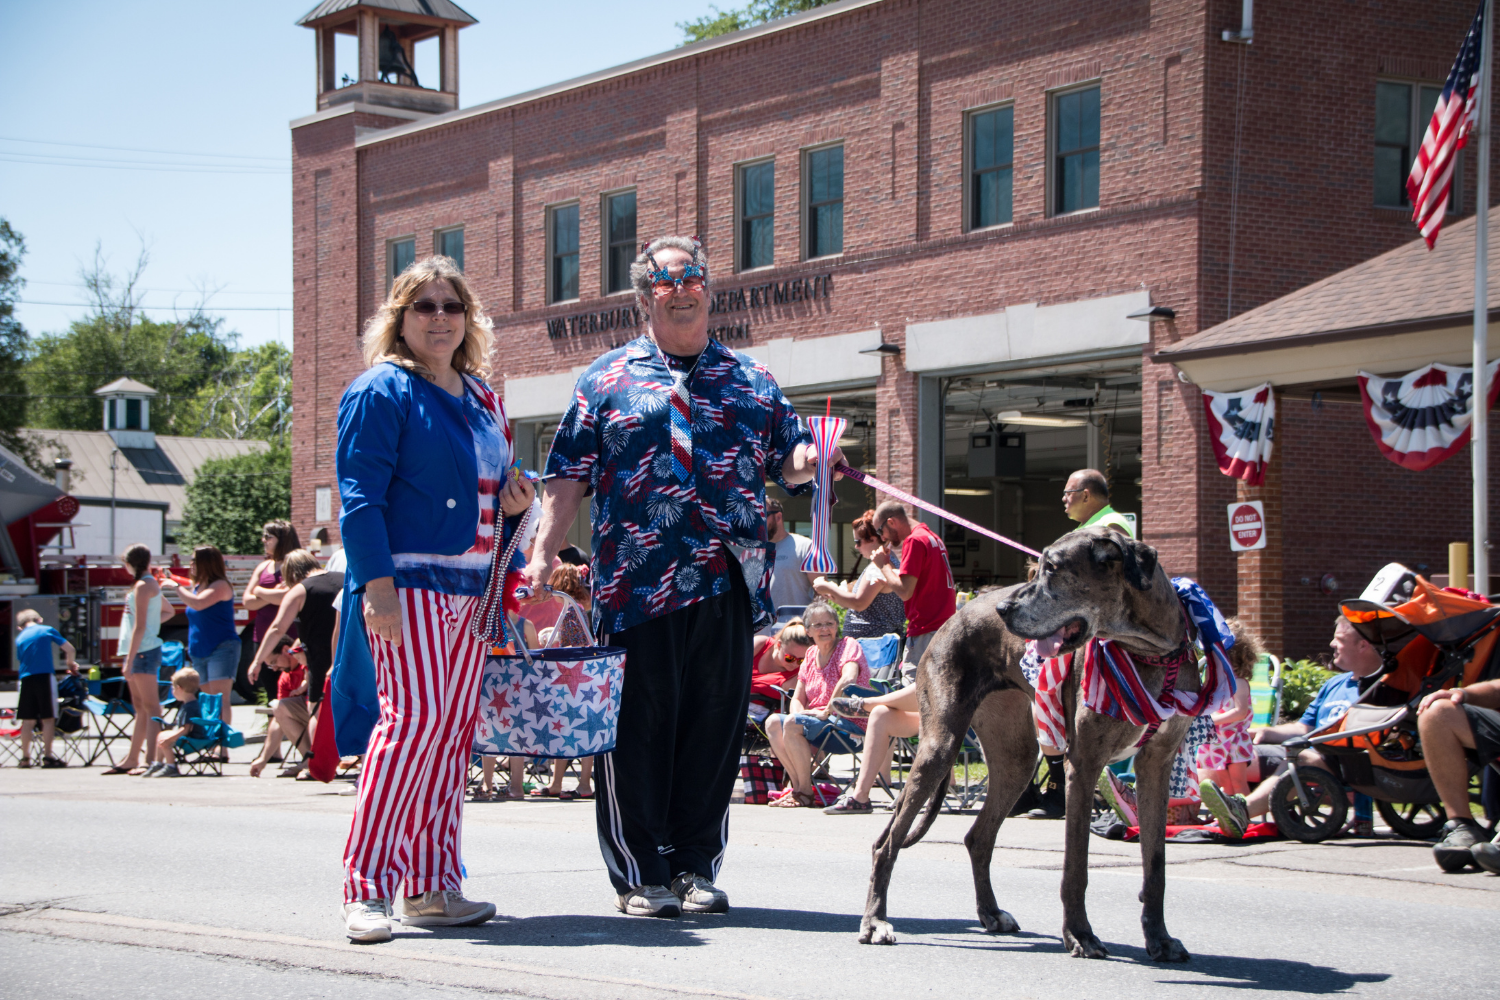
[793, 800]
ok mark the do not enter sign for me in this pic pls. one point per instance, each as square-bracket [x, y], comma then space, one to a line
[1247, 526]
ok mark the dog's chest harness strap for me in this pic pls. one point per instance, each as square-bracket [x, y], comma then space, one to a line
[1110, 683]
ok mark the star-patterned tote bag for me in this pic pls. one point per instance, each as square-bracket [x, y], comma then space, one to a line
[562, 702]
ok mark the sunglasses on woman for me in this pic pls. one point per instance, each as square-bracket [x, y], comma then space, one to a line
[789, 658]
[427, 307]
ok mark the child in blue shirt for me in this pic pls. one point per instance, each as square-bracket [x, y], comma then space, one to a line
[38, 689]
[185, 687]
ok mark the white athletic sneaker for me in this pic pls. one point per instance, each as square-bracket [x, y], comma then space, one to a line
[699, 895]
[368, 921]
[649, 901]
[444, 908]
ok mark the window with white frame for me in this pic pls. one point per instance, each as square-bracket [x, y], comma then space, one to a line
[991, 147]
[450, 243]
[562, 253]
[619, 240]
[757, 215]
[1402, 113]
[823, 182]
[1075, 150]
[399, 255]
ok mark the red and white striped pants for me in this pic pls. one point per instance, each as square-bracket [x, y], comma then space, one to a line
[405, 833]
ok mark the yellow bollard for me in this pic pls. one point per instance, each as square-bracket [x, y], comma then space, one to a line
[1458, 564]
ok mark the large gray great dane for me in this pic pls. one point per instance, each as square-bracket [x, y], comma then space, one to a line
[1092, 583]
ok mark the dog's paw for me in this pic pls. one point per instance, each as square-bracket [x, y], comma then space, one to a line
[997, 921]
[1083, 944]
[876, 931]
[1167, 949]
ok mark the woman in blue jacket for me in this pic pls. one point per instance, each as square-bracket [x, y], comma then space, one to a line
[423, 454]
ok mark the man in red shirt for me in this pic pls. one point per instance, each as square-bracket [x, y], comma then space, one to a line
[924, 583]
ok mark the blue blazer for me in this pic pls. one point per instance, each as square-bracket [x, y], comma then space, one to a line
[408, 478]
[409, 482]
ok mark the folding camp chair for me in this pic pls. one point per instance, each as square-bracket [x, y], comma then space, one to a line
[201, 755]
[884, 656]
[110, 717]
[1265, 691]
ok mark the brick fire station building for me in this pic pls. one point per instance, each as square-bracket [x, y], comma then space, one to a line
[972, 223]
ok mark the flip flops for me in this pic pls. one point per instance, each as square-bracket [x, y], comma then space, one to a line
[116, 769]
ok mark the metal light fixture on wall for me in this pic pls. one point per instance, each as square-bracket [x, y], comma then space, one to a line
[1153, 314]
[1038, 419]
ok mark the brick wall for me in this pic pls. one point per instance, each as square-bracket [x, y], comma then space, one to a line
[892, 82]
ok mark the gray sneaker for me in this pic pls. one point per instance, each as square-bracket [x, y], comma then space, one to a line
[368, 921]
[1229, 810]
[699, 895]
[1455, 851]
[649, 901]
[1487, 856]
[157, 766]
[848, 805]
[444, 908]
[850, 707]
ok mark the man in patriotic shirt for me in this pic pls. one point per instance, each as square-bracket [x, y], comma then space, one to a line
[676, 434]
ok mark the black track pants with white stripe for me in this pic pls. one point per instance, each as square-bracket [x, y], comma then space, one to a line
[663, 793]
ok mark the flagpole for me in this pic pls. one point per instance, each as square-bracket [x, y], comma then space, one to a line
[1479, 439]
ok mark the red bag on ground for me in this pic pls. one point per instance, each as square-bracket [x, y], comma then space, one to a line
[324, 764]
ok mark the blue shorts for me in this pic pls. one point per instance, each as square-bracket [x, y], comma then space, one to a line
[220, 665]
[147, 661]
[834, 734]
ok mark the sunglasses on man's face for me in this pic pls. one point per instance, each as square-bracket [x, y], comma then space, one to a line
[427, 307]
[694, 278]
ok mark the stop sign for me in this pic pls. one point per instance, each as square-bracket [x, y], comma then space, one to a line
[1247, 526]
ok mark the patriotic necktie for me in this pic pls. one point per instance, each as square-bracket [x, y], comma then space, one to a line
[682, 428]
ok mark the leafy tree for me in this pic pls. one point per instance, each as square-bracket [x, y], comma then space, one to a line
[230, 498]
[179, 359]
[722, 22]
[249, 397]
[13, 347]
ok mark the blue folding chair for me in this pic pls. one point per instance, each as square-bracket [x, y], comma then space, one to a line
[200, 755]
[883, 654]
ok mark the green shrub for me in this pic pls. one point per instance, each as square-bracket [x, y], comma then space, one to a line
[1300, 682]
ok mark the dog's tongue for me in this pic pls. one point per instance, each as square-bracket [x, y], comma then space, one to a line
[1049, 646]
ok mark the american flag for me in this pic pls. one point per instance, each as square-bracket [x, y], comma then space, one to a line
[1457, 111]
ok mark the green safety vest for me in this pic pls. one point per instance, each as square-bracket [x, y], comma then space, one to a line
[1107, 517]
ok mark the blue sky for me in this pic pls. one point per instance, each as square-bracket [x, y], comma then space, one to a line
[195, 97]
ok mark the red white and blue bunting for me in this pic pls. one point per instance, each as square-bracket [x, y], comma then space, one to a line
[1241, 426]
[1424, 417]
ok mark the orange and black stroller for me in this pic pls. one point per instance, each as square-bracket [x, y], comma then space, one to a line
[1435, 639]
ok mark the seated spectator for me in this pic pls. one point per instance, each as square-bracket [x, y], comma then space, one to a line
[775, 664]
[289, 712]
[831, 665]
[1455, 725]
[37, 700]
[185, 688]
[874, 608]
[1357, 659]
[572, 580]
[889, 715]
[1225, 762]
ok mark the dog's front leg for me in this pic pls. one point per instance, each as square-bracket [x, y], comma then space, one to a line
[1082, 772]
[1153, 776]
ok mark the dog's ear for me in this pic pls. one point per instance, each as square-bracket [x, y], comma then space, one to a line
[1137, 559]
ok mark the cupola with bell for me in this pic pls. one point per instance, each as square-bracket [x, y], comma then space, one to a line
[388, 32]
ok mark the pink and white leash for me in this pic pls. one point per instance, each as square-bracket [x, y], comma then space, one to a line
[906, 497]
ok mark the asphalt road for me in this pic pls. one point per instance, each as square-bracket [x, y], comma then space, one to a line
[230, 888]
